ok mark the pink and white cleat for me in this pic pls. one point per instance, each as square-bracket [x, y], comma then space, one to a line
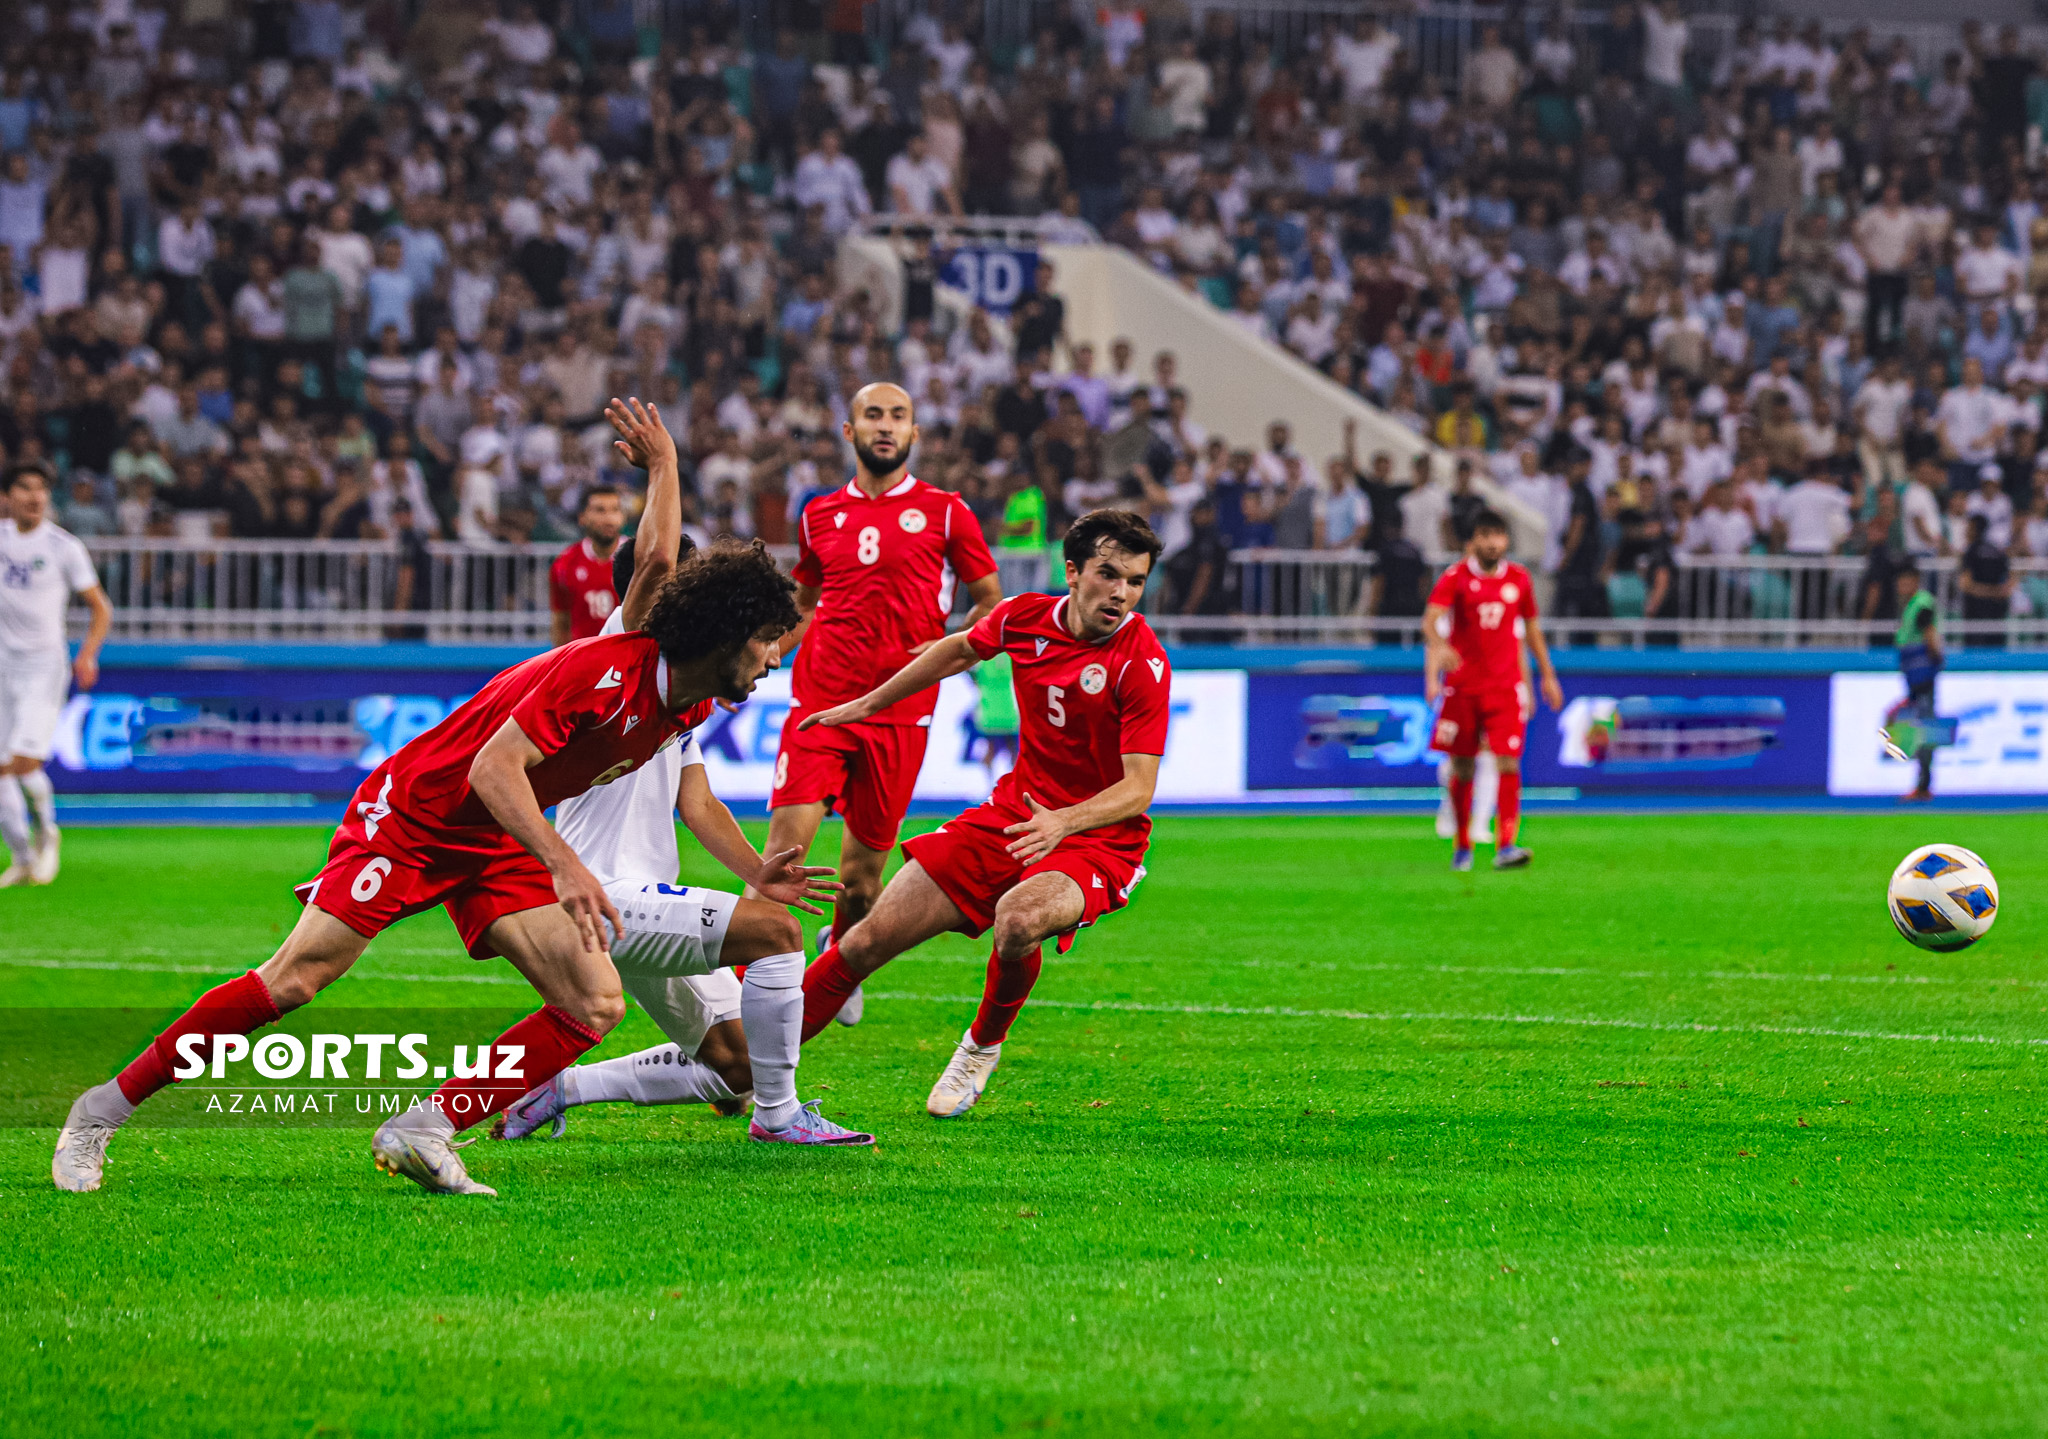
[809, 1127]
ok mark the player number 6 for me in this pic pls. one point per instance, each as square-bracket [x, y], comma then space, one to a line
[370, 879]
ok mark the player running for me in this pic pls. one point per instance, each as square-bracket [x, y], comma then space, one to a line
[1476, 664]
[41, 568]
[679, 942]
[456, 818]
[1062, 840]
[581, 593]
[875, 568]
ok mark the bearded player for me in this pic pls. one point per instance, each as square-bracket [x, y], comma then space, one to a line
[1062, 840]
[1479, 615]
[456, 818]
[876, 563]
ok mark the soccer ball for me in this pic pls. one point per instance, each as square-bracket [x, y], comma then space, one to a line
[1943, 897]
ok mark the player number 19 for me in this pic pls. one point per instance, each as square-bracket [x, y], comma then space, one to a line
[1054, 710]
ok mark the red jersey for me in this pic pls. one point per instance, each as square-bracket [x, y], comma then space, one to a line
[580, 586]
[886, 569]
[594, 708]
[1487, 611]
[1082, 705]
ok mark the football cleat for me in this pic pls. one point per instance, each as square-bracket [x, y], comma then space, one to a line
[850, 1012]
[809, 1127]
[13, 875]
[425, 1157]
[43, 868]
[1511, 856]
[965, 1076]
[545, 1104]
[1461, 861]
[81, 1157]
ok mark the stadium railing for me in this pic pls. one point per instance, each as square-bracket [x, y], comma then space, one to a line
[349, 593]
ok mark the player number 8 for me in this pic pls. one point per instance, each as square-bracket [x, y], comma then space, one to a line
[370, 879]
[870, 545]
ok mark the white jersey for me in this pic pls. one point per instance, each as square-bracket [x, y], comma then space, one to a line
[627, 829]
[40, 571]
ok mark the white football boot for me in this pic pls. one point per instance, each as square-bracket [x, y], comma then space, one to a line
[43, 868]
[81, 1157]
[424, 1154]
[966, 1075]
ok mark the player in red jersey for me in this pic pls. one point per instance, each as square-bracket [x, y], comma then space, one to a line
[1062, 841]
[456, 818]
[1475, 662]
[876, 564]
[580, 597]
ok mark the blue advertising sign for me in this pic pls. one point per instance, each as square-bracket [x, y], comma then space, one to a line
[995, 278]
[1616, 732]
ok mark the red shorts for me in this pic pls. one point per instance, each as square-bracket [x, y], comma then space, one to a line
[968, 858]
[370, 891]
[1467, 717]
[862, 772]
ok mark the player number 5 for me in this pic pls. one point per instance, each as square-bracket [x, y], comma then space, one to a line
[370, 879]
[1054, 710]
[870, 545]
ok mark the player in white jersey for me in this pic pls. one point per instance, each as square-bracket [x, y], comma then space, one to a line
[41, 568]
[678, 943]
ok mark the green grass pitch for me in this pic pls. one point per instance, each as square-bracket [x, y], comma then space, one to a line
[1669, 1135]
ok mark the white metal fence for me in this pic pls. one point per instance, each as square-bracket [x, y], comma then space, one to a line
[367, 593]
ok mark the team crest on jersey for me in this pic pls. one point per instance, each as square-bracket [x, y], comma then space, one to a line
[912, 521]
[1510, 591]
[1093, 679]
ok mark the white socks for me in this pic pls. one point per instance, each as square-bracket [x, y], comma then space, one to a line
[42, 800]
[107, 1104]
[772, 1009]
[662, 1075]
[14, 819]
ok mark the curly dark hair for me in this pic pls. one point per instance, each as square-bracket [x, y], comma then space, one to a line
[1122, 528]
[718, 599]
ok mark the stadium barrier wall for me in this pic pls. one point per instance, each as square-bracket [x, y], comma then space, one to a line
[274, 731]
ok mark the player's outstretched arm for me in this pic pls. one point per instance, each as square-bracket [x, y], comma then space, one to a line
[1039, 836]
[986, 593]
[950, 656]
[780, 879]
[498, 777]
[644, 441]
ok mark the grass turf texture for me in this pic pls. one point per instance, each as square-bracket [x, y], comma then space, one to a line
[1454, 1215]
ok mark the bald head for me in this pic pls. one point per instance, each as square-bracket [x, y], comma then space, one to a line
[882, 427]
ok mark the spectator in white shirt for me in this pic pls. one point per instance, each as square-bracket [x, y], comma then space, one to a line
[1721, 528]
[1880, 408]
[1920, 510]
[1813, 516]
[1990, 502]
[919, 183]
[828, 177]
[1985, 270]
[1969, 421]
[1362, 59]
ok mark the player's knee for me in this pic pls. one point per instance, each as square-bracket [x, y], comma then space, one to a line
[1507, 763]
[1017, 933]
[600, 1010]
[786, 932]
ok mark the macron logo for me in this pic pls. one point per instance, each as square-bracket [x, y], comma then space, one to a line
[631, 720]
[1041, 646]
[612, 679]
[839, 520]
[1158, 669]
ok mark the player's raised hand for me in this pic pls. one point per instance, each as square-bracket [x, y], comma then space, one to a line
[1037, 836]
[784, 879]
[643, 439]
[581, 894]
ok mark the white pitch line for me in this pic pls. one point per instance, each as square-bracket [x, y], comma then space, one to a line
[1399, 1016]
[121, 968]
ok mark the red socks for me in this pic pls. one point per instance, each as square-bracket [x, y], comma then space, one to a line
[828, 984]
[1507, 809]
[551, 1039]
[236, 1007]
[1003, 993]
[1461, 809]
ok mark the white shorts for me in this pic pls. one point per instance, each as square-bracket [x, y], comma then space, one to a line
[685, 1006]
[670, 929]
[31, 703]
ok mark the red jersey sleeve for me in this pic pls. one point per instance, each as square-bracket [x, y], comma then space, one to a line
[966, 551]
[807, 570]
[986, 638]
[1144, 693]
[567, 697]
[559, 598]
[1445, 591]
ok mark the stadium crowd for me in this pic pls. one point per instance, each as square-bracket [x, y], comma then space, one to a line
[314, 270]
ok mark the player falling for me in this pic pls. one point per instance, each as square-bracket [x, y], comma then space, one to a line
[876, 563]
[455, 818]
[1482, 675]
[679, 944]
[41, 568]
[1062, 840]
